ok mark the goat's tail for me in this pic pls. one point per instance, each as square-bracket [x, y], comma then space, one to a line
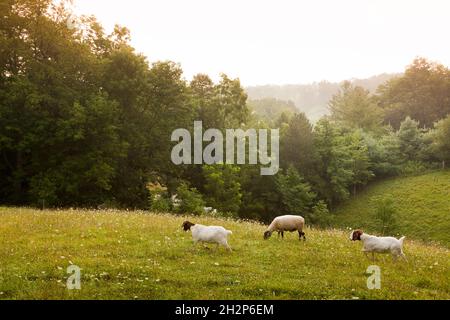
[229, 231]
[401, 240]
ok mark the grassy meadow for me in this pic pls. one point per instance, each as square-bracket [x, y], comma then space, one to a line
[422, 204]
[138, 255]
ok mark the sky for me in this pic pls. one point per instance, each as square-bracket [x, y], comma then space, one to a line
[282, 41]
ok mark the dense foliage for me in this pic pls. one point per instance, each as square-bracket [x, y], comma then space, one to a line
[86, 121]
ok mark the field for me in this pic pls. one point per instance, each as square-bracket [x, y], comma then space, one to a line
[422, 203]
[138, 255]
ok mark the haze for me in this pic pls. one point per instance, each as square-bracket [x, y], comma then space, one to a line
[281, 42]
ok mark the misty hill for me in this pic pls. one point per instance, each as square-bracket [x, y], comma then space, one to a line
[270, 109]
[312, 99]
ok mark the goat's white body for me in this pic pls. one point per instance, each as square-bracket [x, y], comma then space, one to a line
[211, 234]
[383, 245]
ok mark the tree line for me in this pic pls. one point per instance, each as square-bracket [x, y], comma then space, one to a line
[86, 121]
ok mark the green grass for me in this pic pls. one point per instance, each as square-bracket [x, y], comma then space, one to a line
[422, 203]
[138, 255]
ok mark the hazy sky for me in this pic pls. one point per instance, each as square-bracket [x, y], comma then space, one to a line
[282, 41]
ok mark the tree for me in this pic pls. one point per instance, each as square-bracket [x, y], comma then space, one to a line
[360, 161]
[441, 140]
[297, 146]
[385, 215]
[410, 140]
[335, 163]
[354, 107]
[270, 109]
[423, 93]
[191, 200]
[222, 187]
[219, 106]
[59, 140]
[231, 104]
[295, 194]
[384, 153]
[259, 197]
[203, 93]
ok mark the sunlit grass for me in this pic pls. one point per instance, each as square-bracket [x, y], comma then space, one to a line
[138, 255]
[422, 202]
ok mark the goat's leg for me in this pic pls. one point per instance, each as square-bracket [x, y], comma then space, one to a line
[394, 257]
[403, 256]
[224, 242]
[228, 246]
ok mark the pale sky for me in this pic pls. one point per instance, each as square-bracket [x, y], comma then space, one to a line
[282, 41]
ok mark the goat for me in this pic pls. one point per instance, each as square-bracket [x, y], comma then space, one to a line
[374, 244]
[211, 234]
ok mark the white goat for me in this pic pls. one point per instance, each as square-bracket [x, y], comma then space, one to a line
[209, 210]
[374, 244]
[211, 234]
[286, 223]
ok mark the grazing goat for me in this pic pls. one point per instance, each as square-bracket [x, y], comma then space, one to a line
[286, 223]
[209, 210]
[211, 234]
[374, 244]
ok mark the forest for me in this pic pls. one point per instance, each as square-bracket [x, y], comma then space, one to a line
[85, 121]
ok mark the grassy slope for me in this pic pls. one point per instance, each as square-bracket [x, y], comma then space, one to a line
[145, 256]
[423, 204]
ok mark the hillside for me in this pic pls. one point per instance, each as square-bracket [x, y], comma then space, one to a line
[312, 99]
[422, 203]
[139, 255]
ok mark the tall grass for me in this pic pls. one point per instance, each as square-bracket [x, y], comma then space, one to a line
[124, 255]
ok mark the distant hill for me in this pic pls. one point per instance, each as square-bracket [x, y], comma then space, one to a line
[270, 109]
[312, 99]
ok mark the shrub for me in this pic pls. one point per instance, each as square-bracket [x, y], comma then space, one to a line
[320, 215]
[413, 168]
[384, 215]
[159, 199]
[160, 203]
[191, 200]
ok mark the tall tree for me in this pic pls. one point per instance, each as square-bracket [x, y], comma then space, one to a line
[410, 139]
[441, 140]
[297, 146]
[354, 107]
[423, 93]
[296, 196]
[223, 189]
[360, 160]
[335, 165]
